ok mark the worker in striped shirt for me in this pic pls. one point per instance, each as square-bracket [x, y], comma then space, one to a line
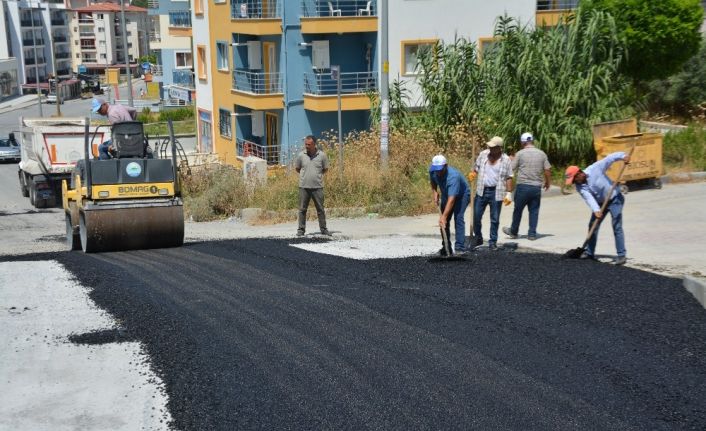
[493, 171]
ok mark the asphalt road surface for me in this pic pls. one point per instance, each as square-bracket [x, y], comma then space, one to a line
[257, 334]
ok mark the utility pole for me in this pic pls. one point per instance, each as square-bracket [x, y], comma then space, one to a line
[384, 85]
[125, 53]
[36, 62]
[336, 74]
[56, 78]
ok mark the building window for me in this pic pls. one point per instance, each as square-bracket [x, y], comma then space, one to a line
[101, 29]
[76, 42]
[222, 55]
[78, 55]
[103, 57]
[201, 62]
[224, 123]
[410, 54]
[183, 59]
[100, 16]
[485, 45]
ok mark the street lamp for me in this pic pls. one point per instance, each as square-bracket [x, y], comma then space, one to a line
[336, 74]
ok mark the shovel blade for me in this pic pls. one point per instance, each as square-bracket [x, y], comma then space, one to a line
[574, 253]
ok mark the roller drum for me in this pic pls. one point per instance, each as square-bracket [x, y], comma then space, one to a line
[131, 227]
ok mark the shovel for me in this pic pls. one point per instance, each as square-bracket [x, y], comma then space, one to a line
[577, 252]
[449, 256]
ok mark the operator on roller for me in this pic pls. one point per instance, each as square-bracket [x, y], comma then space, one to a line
[116, 114]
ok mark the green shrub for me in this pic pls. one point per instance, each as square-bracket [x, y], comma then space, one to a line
[178, 114]
[686, 149]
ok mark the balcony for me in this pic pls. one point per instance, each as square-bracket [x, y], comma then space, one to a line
[33, 80]
[88, 47]
[247, 148]
[30, 42]
[29, 24]
[60, 39]
[89, 60]
[31, 61]
[180, 24]
[339, 16]
[58, 22]
[320, 91]
[63, 55]
[258, 90]
[183, 77]
[86, 21]
[550, 12]
[155, 37]
[257, 17]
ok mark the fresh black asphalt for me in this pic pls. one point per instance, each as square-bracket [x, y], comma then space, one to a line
[256, 334]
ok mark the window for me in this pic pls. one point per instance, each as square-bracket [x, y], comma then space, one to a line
[78, 55]
[183, 59]
[101, 29]
[485, 45]
[410, 54]
[222, 55]
[100, 16]
[103, 57]
[76, 42]
[201, 62]
[224, 123]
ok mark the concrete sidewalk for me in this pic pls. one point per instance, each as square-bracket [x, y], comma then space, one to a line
[19, 102]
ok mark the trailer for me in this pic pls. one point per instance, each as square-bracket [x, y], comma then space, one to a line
[50, 149]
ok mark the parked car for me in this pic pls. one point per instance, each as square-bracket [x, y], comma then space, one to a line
[51, 98]
[9, 150]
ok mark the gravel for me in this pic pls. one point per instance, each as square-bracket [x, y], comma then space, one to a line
[258, 334]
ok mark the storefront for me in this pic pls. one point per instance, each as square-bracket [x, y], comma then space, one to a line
[9, 87]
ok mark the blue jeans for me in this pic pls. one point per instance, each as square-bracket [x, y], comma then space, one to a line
[458, 214]
[530, 197]
[481, 201]
[615, 207]
[103, 150]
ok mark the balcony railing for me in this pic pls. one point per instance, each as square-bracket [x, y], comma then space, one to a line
[89, 59]
[89, 47]
[155, 37]
[247, 148]
[28, 22]
[255, 9]
[62, 55]
[183, 77]
[33, 80]
[30, 42]
[180, 19]
[339, 8]
[86, 21]
[87, 34]
[257, 82]
[321, 84]
[32, 61]
[557, 4]
[157, 70]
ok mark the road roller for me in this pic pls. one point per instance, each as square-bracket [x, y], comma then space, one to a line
[131, 201]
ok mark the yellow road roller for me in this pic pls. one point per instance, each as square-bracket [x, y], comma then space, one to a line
[131, 201]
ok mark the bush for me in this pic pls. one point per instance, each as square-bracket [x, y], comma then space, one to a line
[686, 150]
[178, 114]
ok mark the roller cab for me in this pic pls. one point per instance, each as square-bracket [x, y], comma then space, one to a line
[131, 201]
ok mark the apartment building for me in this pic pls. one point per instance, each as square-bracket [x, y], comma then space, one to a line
[97, 39]
[267, 64]
[170, 40]
[202, 69]
[36, 35]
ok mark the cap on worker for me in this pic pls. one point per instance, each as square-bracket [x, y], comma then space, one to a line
[96, 104]
[437, 163]
[526, 137]
[570, 173]
[495, 141]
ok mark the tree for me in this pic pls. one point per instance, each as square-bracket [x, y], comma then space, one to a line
[661, 35]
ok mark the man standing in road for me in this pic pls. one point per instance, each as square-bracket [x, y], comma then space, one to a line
[493, 188]
[533, 170]
[594, 184]
[311, 164]
[455, 196]
[116, 114]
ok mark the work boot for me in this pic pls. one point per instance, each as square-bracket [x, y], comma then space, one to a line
[325, 232]
[586, 256]
[442, 252]
[620, 260]
[492, 246]
[508, 232]
[300, 232]
[532, 237]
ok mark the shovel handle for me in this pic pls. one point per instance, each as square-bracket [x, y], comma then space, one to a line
[597, 222]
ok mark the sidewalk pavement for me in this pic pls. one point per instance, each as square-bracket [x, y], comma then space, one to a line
[664, 229]
[18, 102]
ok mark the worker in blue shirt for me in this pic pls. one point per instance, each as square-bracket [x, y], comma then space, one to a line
[593, 184]
[451, 191]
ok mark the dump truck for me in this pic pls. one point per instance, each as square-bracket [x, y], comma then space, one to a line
[50, 148]
[131, 201]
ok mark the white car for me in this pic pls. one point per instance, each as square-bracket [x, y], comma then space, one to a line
[9, 150]
[51, 98]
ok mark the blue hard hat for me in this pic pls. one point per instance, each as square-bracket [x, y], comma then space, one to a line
[96, 105]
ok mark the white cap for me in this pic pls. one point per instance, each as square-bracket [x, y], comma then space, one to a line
[495, 141]
[526, 137]
[437, 163]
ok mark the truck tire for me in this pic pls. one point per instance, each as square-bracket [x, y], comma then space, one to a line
[23, 184]
[32, 193]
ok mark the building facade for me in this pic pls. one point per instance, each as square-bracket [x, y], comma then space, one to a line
[202, 69]
[170, 41]
[97, 40]
[36, 34]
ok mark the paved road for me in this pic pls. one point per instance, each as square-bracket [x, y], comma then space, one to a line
[257, 333]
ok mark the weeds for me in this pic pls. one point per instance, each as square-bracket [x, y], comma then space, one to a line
[686, 149]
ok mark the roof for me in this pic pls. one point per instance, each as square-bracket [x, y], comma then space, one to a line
[109, 7]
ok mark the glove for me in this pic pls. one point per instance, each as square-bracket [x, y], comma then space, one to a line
[472, 176]
[508, 199]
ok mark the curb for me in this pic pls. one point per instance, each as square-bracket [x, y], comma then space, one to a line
[685, 177]
[696, 287]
